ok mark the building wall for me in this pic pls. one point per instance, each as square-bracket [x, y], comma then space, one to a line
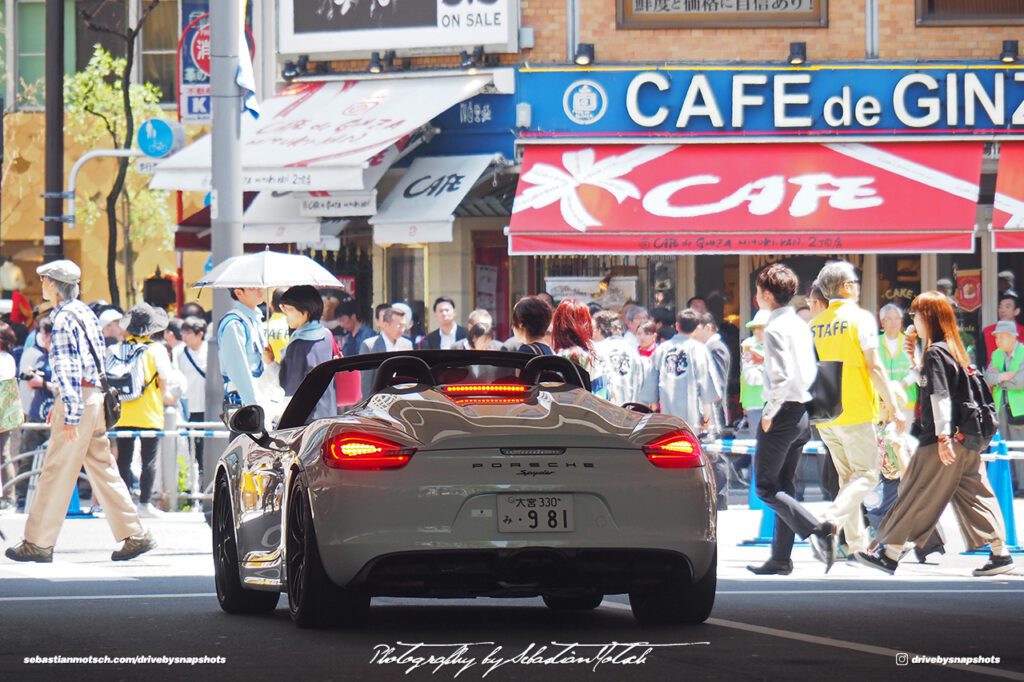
[843, 40]
[23, 207]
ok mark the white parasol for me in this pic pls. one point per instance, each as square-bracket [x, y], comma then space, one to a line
[267, 270]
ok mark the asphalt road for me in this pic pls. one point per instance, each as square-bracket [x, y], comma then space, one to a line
[852, 624]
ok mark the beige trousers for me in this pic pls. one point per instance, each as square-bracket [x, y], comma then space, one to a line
[854, 449]
[60, 474]
[928, 486]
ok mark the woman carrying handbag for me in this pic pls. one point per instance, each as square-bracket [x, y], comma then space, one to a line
[943, 471]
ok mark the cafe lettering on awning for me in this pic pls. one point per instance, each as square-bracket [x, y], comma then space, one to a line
[754, 198]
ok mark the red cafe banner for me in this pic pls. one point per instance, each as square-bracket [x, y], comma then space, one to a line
[968, 289]
[1008, 204]
[755, 198]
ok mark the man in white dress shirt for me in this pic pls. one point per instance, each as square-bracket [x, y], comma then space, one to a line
[789, 369]
[389, 340]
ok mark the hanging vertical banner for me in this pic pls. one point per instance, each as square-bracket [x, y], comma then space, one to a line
[194, 61]
[968, 289]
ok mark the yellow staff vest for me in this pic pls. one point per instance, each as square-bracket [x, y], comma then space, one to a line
[835, 338]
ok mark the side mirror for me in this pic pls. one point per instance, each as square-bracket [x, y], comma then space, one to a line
[247, 419]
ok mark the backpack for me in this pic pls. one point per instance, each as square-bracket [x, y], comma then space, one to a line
[975, 410]
[126, 370]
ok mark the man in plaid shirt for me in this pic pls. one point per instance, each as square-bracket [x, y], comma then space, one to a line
[77, 430]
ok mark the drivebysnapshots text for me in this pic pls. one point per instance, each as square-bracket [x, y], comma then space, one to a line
[458, 657]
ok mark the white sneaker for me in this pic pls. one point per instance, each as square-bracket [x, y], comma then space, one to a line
[148, 511]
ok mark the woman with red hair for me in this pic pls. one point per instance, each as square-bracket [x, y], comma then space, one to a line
[943, 471]
[572, 335]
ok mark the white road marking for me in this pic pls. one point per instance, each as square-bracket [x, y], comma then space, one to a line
[855, 592]
[838, 643]
[100, 597]
[63, 571]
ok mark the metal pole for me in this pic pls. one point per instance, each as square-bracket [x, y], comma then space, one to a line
[226, 203]
[53, 221]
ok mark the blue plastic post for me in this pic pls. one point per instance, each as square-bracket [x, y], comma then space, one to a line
[755, 501]
[75, 506]
[767, 526]
[999, 479]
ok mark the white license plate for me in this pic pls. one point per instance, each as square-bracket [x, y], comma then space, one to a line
[519, 513]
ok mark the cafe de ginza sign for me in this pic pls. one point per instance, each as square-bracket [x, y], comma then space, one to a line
[921, 100]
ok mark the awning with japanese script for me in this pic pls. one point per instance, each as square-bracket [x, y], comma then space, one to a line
[324, 136]
[420, 207]
[746, 198]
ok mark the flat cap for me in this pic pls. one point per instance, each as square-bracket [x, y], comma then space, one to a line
[1006, 327]
[61, 271]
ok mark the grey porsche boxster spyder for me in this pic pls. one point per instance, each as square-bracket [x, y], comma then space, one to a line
[464, 474]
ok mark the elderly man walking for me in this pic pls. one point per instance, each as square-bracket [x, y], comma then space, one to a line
[77, 430]
[847, 333]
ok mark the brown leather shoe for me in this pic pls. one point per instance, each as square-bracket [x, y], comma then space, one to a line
[133, 547]
[27, 551]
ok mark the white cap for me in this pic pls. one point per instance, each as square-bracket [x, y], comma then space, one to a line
[760, 319]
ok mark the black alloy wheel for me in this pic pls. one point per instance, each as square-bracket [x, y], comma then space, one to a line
[314, 601]
[233, 597]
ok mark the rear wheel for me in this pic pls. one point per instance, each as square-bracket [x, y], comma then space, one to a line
[578, 602]
[675, 603]
[313, 600]
[233, 597]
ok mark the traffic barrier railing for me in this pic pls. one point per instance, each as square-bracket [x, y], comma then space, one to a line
[187, 430]
[998, 457]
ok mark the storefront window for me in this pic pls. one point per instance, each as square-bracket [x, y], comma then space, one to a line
[717, 281]
[806, 269]
[959, 277]
[406, 282]
[968, 12]
[607, 280]
[899, 281]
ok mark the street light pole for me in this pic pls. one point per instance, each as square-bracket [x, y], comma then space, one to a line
[226, 202]
[53, 221]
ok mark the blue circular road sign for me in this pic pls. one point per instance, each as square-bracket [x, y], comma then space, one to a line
[159, 138]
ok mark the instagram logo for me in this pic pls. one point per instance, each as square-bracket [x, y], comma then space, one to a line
[902, 659]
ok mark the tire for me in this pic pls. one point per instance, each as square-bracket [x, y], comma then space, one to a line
[676, 604]
[580, 602]
[233, 597]
[313, 600]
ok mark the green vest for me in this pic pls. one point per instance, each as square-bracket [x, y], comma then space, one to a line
[751, 397]
[898, 367]
[1015, 397]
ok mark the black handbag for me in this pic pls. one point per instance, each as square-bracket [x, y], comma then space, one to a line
[826, 391]
[111, 398]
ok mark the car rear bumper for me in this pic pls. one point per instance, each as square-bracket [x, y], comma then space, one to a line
[527, 571]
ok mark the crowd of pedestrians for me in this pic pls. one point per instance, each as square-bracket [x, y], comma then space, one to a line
[677, 362]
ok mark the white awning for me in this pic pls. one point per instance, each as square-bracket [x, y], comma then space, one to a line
[325, 136]
[420, 207]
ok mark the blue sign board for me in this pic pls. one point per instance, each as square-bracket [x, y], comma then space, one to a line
[479, 125]
[159, 138]
[924, 100]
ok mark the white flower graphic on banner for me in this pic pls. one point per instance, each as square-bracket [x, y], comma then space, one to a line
[551, 184]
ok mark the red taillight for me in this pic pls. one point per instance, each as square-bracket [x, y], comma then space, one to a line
[486, 394]
[361, 452]
[675, 451]
[485, 389]
[487, 401]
